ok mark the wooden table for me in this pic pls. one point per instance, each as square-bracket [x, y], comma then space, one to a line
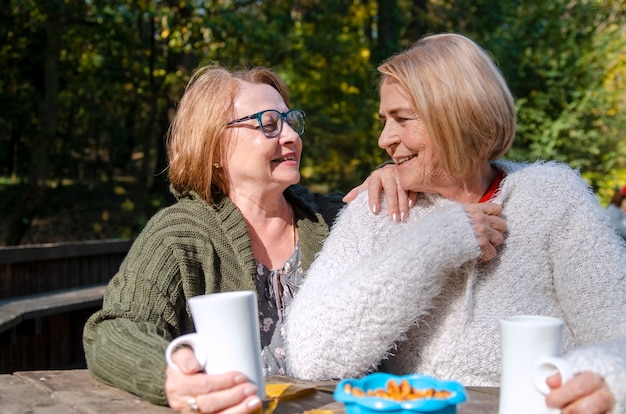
[75, 391]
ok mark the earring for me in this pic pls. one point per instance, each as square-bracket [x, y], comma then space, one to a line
[216, 166]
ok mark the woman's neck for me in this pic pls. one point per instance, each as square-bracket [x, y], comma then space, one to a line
[471, 188]
[272, 229]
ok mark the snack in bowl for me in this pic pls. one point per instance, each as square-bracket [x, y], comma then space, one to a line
[392, 394]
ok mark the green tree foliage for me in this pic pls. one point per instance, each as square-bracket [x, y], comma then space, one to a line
[88, 88]
[563, 68]
[334, 82]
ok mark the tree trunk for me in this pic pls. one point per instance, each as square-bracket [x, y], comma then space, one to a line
[388, 31]
[417, 26]
[33, 197]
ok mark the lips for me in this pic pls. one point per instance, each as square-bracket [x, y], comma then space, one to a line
[285, 158]
[402, 160]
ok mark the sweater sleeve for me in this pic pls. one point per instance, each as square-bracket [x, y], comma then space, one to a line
[597, 274]
[144, 308]
[360, 296]
[127, 355]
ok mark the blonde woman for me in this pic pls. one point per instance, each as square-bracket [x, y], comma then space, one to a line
[419, 296]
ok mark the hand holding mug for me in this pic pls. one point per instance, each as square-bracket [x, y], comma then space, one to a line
[220, 364]
[187, 387]
[586, 392]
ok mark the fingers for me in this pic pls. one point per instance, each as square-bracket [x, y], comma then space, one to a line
[554, 381]
[241, 398]
[374, 188]
[185, 360]
[585, 393]
[488, 226]
[224, 393]
[385, 181]
[492, 209]
[497, 227]
[412, 198]
[354, 192]
[398, 201]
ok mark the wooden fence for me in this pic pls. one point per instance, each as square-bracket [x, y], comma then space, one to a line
[47, 292]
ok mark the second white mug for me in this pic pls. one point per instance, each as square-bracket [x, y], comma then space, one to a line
[531, 352]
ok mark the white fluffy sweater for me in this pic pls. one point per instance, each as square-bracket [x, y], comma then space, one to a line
[410, 297]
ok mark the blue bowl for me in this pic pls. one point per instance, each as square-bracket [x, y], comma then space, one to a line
[375, 405]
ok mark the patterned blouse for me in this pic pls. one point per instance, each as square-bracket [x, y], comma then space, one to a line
[275, 290]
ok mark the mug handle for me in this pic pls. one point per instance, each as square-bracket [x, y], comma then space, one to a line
[547, 366]
[192, 340]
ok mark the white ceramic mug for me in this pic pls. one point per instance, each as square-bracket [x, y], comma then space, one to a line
[227, 336]
[531, 349]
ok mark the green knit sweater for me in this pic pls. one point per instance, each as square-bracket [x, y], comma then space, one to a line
[187, 249]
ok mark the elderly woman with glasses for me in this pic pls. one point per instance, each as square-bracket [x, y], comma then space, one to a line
[240, 223]
[416, 297]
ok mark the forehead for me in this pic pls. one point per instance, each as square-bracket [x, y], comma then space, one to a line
[256, 97]
[393, 98]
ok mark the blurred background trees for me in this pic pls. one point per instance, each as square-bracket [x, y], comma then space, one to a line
[88, 88]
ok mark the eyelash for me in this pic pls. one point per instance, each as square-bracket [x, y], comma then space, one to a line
[399, 120]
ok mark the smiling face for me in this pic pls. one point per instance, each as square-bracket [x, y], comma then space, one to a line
[406, 139]
[254, 163]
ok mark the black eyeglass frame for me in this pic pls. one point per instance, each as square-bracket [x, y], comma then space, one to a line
[284, 117]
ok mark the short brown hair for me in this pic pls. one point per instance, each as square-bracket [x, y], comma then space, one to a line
[460, 94]
[195, 138]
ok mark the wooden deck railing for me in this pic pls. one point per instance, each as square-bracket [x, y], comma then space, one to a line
[47, 292]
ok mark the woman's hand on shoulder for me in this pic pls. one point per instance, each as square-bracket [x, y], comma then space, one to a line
[585, 393]
[188, 388]
[385, 180]
[488, 226]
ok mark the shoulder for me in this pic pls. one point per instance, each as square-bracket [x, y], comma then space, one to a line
[193, 220]
[310, 204]
[549, 194]
[544, 179]
[357, 218]
[186, 211]
[545, 171]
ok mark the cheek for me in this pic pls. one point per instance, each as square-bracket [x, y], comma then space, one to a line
[416, 144]
[416, 138]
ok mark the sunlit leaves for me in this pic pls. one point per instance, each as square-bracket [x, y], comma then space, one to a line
[124, 64]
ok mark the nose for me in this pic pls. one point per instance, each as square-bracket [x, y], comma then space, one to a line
[288, 134]
[387, 136]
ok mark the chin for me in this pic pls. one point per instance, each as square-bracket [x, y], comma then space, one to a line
[294, 180]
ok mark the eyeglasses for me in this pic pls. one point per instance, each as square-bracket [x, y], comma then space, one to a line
[271, 121]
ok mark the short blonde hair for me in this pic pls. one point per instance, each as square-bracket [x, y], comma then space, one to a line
[460, 94]
[195, 141]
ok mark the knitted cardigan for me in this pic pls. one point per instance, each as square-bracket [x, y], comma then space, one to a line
[187, 249]
[410, 297]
